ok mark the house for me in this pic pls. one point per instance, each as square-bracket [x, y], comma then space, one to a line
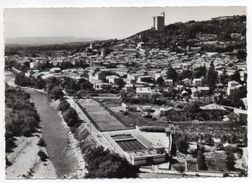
[157, 75]
[112, 79]
[197, 82]
[144, 92]
[204, 89]
[145, 79]
[232, 86]
[187, 82]
[243, 115]
[96, 76]
[37, 75]
[168, 83]
[131, 78]
[55, 70]
[100, 86]
[130, 107]
[129, 87]
[199, 91]
[235, 36]
[244, 100]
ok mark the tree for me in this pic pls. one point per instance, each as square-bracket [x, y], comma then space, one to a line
[171, 73]
[182, 144]
[201, 159]
[22, 80]
[200, 72]
[104, 164]
[85, 84]
[70, 116]
[236, 76]
[120, 83]
[186, 74]
[160, 81]
[224, 78]
[209, 140]
[55, 93]
[63, 105]
[230, 161]
[245, 78]
[237, 95]
[212, 76]
[241, 54]
[180, 169]
[43, 156]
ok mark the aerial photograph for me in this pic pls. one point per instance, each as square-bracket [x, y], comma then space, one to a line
[125, 92]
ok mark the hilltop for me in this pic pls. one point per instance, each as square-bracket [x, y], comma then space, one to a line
[178, 36]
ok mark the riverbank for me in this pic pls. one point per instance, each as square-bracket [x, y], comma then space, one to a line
[62, 147]
[11, 83]
[24, 160]
[73, 147]
[25, 163]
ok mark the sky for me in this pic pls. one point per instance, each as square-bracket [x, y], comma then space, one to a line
[104, 23]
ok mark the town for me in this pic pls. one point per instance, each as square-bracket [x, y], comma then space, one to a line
[169, 101]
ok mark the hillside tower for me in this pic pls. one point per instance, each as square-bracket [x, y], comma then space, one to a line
[159, 22]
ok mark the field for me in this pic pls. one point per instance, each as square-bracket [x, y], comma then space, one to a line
[133, 118]
[215, 128]
[100, 117]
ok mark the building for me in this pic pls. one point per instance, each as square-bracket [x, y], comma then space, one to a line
[130, 107]
[187, 82]
[144, 92]
[145, 79]
[232, 86]
[191, 166]
[197, 82]
[168, 83]
[159, 22]
[242, 114]
[100, 85]
[55, 70]
[129, 88]
[112, 79]
[135, 148]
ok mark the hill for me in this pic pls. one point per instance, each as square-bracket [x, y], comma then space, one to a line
[179, 35]
[40, 41]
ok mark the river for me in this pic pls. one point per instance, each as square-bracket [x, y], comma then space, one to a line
[54, 133]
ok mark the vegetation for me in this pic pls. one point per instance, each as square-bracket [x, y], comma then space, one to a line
[182, 143]
[171, 73]
[41, 142]
[212, 77]
[43, 156]
[69, 114]
[201, 159]
[104, 164]
[180, 169]
[21, 117]
[179, 35]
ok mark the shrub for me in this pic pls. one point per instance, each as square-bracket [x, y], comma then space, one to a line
[180, 169]
[42, 155]
[9, 144]
[26, 131]
[64, 105]
[41, 142]
[7, 162]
